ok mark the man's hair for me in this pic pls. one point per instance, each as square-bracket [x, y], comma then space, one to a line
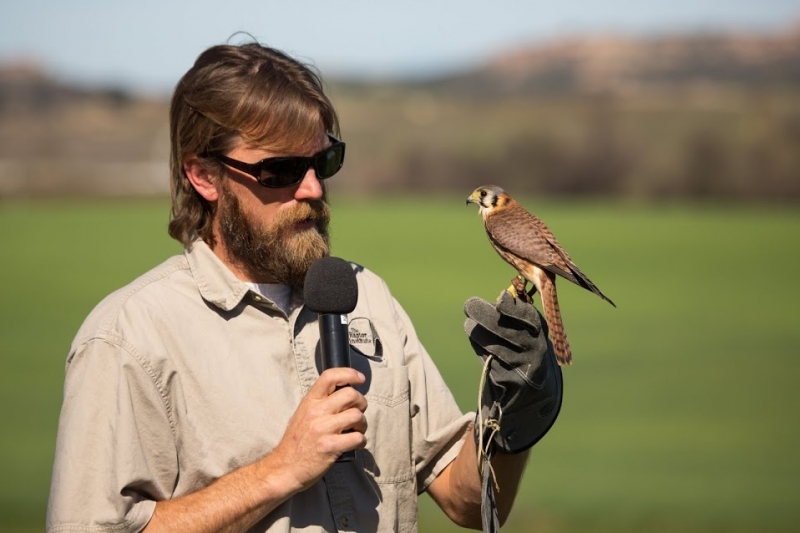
[239, 93]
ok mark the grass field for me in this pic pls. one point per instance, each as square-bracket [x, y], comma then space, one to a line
[681, 410]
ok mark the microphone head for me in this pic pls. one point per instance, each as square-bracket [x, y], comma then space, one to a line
[331, 287]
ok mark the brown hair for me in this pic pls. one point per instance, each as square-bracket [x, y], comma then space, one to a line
[248, 93]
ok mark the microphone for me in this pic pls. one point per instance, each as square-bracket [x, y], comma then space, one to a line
[331, 291]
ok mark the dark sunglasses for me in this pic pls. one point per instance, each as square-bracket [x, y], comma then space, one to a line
[279, 172]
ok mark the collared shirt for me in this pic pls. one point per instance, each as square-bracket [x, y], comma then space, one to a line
[186, 375]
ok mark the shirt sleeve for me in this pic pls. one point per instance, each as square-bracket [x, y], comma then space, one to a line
[438, 426]
[115, 451]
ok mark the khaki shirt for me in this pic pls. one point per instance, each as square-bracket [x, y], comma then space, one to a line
[186, 375]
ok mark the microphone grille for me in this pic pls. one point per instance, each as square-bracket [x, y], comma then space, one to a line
[331, 287]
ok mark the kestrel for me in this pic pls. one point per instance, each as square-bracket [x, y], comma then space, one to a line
[529, 246]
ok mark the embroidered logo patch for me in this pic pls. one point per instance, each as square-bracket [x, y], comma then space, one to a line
[364, 339]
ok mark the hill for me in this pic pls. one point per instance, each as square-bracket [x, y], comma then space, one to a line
[627, 65]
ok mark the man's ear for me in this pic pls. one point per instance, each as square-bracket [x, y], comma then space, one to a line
[203, 181]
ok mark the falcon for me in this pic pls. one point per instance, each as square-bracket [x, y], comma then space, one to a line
[529, 246]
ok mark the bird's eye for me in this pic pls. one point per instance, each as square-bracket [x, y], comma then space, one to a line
[483, 193]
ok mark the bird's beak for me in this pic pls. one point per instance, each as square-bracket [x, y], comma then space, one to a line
[470, 200]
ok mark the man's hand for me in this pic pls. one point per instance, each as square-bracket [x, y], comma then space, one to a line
[523, 387]
[315, 436]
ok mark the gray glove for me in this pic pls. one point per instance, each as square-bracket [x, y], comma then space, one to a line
[523, 385]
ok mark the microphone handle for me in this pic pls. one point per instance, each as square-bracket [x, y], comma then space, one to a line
[333, 341]
[334, 344]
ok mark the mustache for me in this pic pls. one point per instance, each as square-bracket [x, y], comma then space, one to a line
[316, 210]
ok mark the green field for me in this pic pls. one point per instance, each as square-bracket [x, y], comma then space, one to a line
[682, 409]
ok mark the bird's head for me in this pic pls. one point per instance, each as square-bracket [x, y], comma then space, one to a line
[488, 198]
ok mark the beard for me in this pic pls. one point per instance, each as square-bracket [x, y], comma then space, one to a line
[275, 252]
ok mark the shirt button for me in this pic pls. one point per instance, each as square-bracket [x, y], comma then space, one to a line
[344, 521]
[257, 298]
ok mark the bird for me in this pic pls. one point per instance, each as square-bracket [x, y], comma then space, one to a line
[528, 245]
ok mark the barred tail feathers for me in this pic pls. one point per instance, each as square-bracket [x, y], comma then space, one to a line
[552, 313]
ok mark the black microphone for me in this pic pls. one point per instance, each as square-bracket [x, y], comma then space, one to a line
[331, 291]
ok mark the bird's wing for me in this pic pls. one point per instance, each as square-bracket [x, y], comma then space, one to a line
[518, 232]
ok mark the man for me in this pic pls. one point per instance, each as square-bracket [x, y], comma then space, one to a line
[193, 400]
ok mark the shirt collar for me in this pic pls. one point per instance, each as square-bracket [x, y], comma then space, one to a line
[217, 284]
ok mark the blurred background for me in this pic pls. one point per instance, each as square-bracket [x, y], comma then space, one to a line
[660, 142]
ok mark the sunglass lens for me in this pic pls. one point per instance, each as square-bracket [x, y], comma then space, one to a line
[330, 161]
[283, 173]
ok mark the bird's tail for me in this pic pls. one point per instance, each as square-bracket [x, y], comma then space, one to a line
[552, 314]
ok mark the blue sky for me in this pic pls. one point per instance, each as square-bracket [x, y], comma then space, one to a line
[148, 44]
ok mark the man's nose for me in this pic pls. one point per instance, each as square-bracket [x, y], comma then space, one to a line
[310, 187]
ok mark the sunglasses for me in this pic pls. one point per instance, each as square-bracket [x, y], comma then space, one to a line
[279, 172]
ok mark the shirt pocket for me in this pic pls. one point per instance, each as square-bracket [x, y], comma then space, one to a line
[387, 456]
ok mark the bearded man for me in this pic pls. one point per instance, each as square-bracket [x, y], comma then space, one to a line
[193, 399]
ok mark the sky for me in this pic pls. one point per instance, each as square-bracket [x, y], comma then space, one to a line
[147, 45]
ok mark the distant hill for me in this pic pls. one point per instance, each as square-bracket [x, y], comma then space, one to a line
[627, 64]
[578, 65]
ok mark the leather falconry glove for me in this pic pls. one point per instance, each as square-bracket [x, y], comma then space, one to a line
[523, 386]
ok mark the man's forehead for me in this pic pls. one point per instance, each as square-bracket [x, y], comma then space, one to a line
[294, 145]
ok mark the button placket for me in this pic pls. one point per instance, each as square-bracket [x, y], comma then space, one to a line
[341, 499]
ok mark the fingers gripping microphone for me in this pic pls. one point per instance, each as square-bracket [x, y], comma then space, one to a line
[331, 291]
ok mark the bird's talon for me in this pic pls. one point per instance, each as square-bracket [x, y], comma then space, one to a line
[511, 290]
[517, 290]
